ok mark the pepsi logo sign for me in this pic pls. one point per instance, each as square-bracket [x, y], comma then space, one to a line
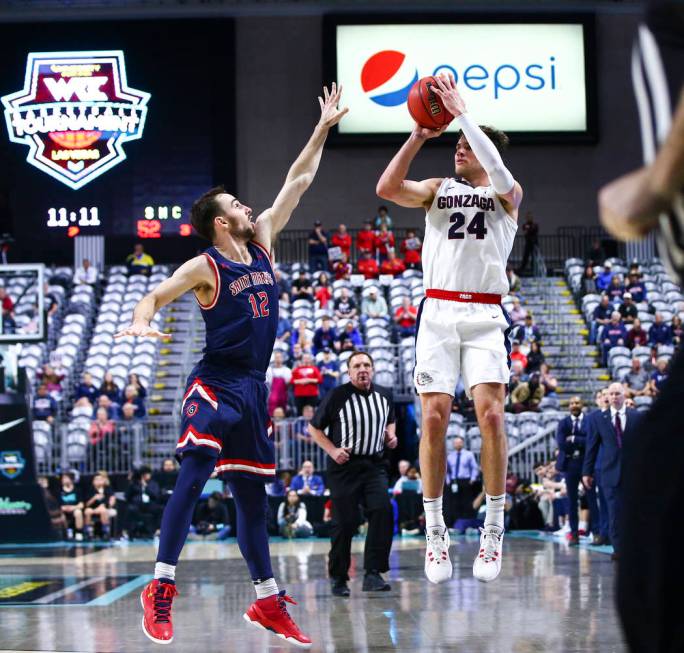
[384, 71]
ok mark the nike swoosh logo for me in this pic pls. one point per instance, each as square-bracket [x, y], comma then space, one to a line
[9, 425]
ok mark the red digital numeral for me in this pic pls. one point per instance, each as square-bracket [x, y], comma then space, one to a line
[262, 309]
[149, 229]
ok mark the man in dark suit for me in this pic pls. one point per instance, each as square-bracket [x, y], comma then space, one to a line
[610, 431]
[601, 534]
[571, 437]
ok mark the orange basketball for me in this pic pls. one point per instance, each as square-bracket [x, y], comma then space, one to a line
[425, 106]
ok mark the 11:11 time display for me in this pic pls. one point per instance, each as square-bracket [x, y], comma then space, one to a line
[84, 217]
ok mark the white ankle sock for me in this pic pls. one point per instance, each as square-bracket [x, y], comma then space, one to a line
[433, 512]
[495, 510]
[265, 588]
[162, 570]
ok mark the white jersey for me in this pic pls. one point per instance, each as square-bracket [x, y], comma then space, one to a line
[468, 238]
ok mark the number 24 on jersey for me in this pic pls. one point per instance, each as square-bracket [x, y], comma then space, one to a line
[476, 226]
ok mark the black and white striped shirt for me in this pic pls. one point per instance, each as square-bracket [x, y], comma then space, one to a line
[355, 418]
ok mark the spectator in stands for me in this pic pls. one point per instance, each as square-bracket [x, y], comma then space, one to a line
[297, 353]
[548, 380]
[301, 336]
[101, 427]
[528, 332]
[614, 334]
[318, 248]
[605, 277]
[527, 396]
[518, 313]
[402, 468]
[342, 268]
[636, 380]
[165, 478]
[601, 315]
[325, 336]
[513, 280]
[132, 397]
[302, 288]
[51, 302]
[44, 406]
[6, 302]
[306, 379]
[615, 289]
[134, 380]
[330, 369]
[409, 481]
[530, 230]
[368, 266]
[280, 380]
[72, 507]
[628, 310]
[51, 379]
[595, 254]
[112, 408]
[384, 241]
[100, 503]
[658, 377]
[138, 262]
[518, 376]
[345, 305]
[86, 388]
[343, 240]
[144, 504]
[283, 330]
[411, 248]
[128, 413]
[82, 408]
[588, 285]
[86, 275]
[517, 355]
[350, 338]
[382, 218]
[659, 333]
[637, 336]
[292, 517]
[374, 305]
[110, 389]
[535, 358]
[323, 290]
[393, 265]
[306, 482]
[212, 519]
[676, 331]
[405, 318]
[284, 286]
[462, 473]
[365, 239]
[636, 287]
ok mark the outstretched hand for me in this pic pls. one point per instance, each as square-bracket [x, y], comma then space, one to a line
[330, 113]
[447, 92]
[425, 132]
[141, 330]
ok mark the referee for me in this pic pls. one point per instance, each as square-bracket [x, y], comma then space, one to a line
[359, 417]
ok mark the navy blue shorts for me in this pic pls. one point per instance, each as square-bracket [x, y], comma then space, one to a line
[225, 416]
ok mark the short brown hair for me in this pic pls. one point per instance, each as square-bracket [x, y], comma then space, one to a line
[497, 137]
[357, 352]
[204, 210]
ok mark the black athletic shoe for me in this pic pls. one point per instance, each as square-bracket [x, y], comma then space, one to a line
[339, 587]
[573, 540]
[374, 582]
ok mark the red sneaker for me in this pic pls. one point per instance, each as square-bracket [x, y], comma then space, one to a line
[156, 601]
[271, 614]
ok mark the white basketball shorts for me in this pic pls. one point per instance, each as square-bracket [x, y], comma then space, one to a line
[460, 340]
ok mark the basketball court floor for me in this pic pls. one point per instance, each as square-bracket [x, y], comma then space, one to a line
[86, 598]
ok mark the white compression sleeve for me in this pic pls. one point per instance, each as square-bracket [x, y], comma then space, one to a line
[487, 154]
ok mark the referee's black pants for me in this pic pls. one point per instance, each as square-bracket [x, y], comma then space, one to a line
[650, 569]
[361, 480]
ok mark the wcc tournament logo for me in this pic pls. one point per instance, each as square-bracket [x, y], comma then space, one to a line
[75, 112]
[11, 464]
[383, 72]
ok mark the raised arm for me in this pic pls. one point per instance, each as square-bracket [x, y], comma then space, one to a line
[195, 274]
[302, 172]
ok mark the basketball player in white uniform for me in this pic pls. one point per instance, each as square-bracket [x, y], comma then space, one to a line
[470, 225]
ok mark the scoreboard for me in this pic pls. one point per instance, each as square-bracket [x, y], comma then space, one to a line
[114, 128]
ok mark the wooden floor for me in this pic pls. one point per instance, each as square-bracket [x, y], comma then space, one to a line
[548, 598]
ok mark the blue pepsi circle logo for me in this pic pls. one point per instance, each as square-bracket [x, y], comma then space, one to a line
[383, 67]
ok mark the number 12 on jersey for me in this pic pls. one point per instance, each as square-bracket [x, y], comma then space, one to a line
[262, 309]
[476, 226]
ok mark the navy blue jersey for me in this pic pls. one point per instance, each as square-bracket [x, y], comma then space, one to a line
[242, 318]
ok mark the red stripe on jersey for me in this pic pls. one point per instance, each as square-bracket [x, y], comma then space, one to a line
[217, 286]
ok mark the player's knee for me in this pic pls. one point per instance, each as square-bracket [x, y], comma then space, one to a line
[492, 419]
[435, 420]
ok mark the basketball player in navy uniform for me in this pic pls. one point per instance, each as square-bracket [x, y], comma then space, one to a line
[470, 224]
[225, 425]
[651, 199]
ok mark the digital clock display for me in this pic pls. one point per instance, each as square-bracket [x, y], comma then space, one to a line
[127, 130]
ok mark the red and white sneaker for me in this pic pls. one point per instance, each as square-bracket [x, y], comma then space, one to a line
[271, 614]
[487, 565]
[156, 601]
